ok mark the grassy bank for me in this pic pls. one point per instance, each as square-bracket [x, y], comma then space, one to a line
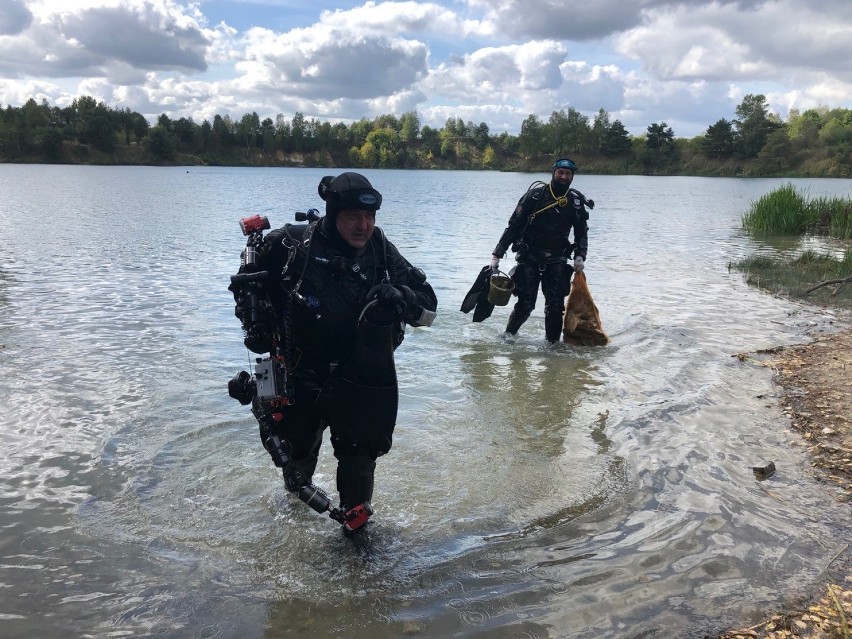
[818, 278]
[789, 211]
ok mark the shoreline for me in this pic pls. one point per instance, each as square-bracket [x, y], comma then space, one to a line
[815, 384]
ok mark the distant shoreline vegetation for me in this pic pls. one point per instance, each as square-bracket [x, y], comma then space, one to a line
[813, 143]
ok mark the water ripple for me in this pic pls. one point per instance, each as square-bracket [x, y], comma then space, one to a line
[529, 488]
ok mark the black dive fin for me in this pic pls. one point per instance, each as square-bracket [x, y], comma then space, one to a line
[473, 295]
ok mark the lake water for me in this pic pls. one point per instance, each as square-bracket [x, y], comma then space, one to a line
[531, 491]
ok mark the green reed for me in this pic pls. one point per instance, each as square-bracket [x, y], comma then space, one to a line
[835, 215]
[786, 211]
[783, 211]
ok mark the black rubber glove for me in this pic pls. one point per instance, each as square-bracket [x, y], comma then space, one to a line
[390, 297]
[413, 310]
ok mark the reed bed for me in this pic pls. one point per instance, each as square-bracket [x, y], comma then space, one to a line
[787, 211]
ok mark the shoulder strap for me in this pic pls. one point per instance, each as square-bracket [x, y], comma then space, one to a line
[534, 191]
[297, 239]
[384, 258]
[586, 201]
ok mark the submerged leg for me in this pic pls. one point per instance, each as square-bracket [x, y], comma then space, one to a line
[293, 440]
[526, 280]
[555, 282]
[355, 478]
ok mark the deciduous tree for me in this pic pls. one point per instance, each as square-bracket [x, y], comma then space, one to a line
[753, 124]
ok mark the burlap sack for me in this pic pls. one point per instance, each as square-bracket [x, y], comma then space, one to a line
[582, 323]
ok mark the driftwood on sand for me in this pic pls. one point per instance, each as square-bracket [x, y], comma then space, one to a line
[841, 282]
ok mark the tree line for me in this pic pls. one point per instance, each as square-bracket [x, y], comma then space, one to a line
[756, 141]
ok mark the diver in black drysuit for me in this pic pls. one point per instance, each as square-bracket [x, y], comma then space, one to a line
[338, 381]
[539, 232]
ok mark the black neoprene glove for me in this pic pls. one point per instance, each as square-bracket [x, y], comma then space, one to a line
[390, 297]
[412, 304]
[400, 299]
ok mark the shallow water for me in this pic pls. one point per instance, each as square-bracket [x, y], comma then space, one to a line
[531, 491]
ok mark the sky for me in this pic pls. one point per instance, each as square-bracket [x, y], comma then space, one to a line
[687, 63]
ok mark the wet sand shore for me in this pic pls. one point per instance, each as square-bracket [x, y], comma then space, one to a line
[816, 393]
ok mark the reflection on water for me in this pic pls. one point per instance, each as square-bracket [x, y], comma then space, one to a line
[532, 491]
[790, 247]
